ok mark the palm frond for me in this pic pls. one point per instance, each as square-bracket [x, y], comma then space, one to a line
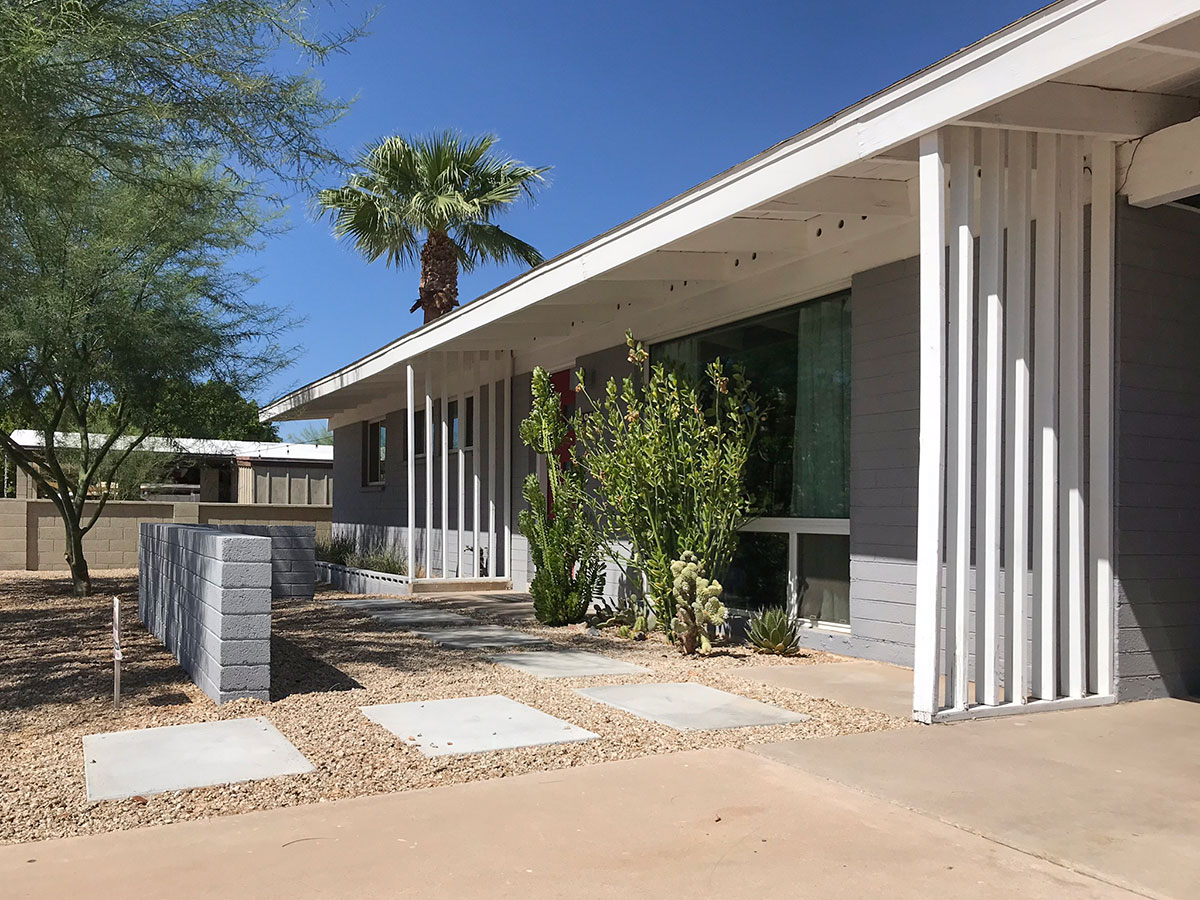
[480, 242]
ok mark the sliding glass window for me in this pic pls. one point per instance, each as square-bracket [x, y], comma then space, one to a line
[798, 361]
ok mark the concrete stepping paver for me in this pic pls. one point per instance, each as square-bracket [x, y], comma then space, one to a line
[410, 616]
[482, 637]
[176, 757]
[371, 604]
[473, 725]
[566, 664]
[688, 706]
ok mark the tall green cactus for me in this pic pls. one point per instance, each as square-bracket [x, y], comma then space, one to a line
[698, 606]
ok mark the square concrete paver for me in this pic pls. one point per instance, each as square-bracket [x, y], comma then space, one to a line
[411, 617]
[482, 637]
[869, 685]
[472, 725]
[153, 760]
[370, 604]
[566, 664]
[691, 707]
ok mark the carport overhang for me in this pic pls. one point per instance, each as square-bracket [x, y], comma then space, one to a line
[806, 214]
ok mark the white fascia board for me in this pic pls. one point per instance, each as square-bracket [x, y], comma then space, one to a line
[1032, 50]
[1163, 166]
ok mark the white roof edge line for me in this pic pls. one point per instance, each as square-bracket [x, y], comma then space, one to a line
[939, 75]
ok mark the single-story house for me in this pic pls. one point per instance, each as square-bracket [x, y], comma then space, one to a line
[974, 300]
[212, 471]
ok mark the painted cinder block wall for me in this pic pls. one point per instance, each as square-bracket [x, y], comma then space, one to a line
[206, 594]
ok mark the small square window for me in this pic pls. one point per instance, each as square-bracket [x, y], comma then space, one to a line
[374, 452]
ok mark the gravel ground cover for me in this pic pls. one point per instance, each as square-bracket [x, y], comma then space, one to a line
[327, 661]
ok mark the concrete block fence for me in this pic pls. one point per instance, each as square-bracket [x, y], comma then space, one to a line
[206, 594]
[293, 556]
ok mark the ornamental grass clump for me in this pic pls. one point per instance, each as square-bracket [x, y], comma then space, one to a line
[774, 632]
[698, 606]
[665, 460]
[563, 542]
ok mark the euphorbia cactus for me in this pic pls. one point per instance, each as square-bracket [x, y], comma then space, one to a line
[698, 606]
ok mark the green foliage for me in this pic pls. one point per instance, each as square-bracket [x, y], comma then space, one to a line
[312, 434]
[215, 410]
[379, 558]
[631, 616]
[129, 85]
[666, 468]
[698, 606]
[563, 543]
[336, 550]
[773, 631]
[121, 305]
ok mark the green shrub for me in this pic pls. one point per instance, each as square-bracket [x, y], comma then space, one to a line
[773, 631]
[666, 466]
[630, 616]
[698, 606]
[380, 558]
[563, 543]
[336, 550]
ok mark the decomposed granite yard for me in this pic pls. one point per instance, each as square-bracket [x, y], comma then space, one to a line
[327, 662]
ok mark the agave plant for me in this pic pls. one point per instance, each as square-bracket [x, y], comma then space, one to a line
[773, 631]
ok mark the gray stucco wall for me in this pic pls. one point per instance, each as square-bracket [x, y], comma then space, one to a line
[1157, 560]
[206, 594]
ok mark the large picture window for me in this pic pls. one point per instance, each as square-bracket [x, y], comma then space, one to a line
[798, 362]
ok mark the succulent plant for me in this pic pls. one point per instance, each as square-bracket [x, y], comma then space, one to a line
[773, 631]
[632, 617]
[698, 606]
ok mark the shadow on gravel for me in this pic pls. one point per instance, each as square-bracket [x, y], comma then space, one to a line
[296, 671]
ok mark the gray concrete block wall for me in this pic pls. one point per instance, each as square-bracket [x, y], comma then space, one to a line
[206, 594]
[293, 556]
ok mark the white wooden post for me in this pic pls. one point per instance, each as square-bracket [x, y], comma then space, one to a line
[1101, 403]
[477, 446]
[508, 442]
[411, 474]
[428, 414]
[1045, 390]
[462, 461]
[1070, 430]
[444, 428]
[931, 465]
[991, 374]
[493, 427]
[958, 462]
[1016, 308]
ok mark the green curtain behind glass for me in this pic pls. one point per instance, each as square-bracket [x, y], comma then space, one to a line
[820, 448]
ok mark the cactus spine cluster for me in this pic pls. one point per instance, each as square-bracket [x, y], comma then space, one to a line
[698, 606]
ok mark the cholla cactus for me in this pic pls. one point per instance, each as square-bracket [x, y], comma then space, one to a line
[698, 606]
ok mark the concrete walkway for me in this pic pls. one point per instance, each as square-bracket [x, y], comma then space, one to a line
[712, 823]
[1112, 791]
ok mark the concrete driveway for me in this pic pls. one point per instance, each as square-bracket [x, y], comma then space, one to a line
[1113, 792]
[716, 823]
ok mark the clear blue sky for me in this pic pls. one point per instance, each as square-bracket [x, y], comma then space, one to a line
[631, 101]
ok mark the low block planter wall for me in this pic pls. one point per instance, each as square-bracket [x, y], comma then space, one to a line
[206, 594]
[293, 556]
[362, 581]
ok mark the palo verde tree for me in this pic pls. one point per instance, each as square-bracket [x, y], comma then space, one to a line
[123, 300]
[433, 200]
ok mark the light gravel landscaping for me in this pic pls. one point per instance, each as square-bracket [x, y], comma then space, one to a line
[327, 662]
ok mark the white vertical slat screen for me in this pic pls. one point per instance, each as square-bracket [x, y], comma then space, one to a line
[428, 451]
[507, 437]
[461, 468]
[493, 433]
[410, 469]
[478, 373]
[1008, 419]
[444, 442]
[958, 457]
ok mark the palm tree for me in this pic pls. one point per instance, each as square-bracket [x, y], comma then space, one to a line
[433, 199]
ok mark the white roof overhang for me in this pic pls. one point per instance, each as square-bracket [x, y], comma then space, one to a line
[1112, 68]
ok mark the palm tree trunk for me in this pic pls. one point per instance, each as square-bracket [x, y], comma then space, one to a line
[439, 275]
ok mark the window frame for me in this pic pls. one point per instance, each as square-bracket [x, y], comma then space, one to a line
[793, 528]
[375, 452]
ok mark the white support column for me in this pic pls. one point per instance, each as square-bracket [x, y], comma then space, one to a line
[958, 462]
[507, 436]
[428, 414]
[410, 453]
[444, 437]
[1045, 391]
[1070, 391]
[991, 375]
[492, 469]
[476, 449]
[1100, 398]
[1016, 344]
[460, 380]
[931, 465]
